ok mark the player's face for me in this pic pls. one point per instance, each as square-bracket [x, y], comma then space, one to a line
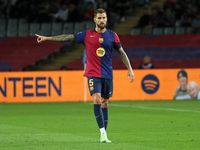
[193, 91]
[100, 20]
[182, 79]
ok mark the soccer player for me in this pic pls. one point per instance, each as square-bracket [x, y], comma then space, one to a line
[99, 43]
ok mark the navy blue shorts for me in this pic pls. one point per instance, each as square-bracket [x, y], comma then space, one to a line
[101, 85]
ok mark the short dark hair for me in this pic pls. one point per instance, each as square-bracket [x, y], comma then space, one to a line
[100, 11]
[183, 72]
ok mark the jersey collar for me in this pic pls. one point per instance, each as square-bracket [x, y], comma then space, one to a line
[99, 32]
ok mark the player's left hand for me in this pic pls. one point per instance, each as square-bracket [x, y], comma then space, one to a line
[131, 74]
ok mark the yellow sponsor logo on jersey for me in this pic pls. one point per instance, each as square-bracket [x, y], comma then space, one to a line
[100, 52]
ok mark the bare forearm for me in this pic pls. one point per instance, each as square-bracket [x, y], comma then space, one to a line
[126, 61]
[124, 58]
[62, 38]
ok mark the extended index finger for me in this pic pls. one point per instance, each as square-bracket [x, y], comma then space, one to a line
[37, 35]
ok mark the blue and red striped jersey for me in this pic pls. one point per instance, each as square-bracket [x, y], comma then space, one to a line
[99, 48]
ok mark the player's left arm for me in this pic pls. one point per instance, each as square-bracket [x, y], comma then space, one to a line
[126, 62]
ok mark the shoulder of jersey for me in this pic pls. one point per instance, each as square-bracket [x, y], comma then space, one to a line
[110, 31]
[92, 31]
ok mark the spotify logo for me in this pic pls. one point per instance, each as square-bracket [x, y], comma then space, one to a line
[150, 84]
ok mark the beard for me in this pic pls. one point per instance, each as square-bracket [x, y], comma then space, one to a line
[101, 27]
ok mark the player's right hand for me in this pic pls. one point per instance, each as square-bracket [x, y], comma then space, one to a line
[41, 38]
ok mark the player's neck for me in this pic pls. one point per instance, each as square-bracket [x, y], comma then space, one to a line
[99, 30]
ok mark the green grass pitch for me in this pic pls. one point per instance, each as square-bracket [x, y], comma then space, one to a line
[133, 125]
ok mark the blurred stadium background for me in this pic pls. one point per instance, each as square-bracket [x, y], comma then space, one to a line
[165, 30]
[172, 22]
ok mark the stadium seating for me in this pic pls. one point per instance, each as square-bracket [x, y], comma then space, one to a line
[34, 29]
[179, 30]
[12, 28]
[79, 26]
[23, 30]
[188, 30]
[56, 29]
[168, 30]
[15, 27]
[45, 29]
[166, 51]
[89, 25]
[20, 52]
[2, 28]
[19, 27]
[136, 31]
[68, 28]
[22, 21]
[157, 31]
[21, 58]
[20, 55]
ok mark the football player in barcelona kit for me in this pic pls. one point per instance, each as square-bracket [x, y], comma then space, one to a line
[99, 43]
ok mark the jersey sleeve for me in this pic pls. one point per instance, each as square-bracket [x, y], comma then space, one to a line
[117, 44]
[80, 37]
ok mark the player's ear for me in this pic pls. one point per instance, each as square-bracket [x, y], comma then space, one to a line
[94, 19]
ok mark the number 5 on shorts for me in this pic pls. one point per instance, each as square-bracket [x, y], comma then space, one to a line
[91, 83]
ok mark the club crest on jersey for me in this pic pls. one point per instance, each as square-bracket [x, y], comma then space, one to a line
[100, 52]
[100, 40]
[91, 88]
